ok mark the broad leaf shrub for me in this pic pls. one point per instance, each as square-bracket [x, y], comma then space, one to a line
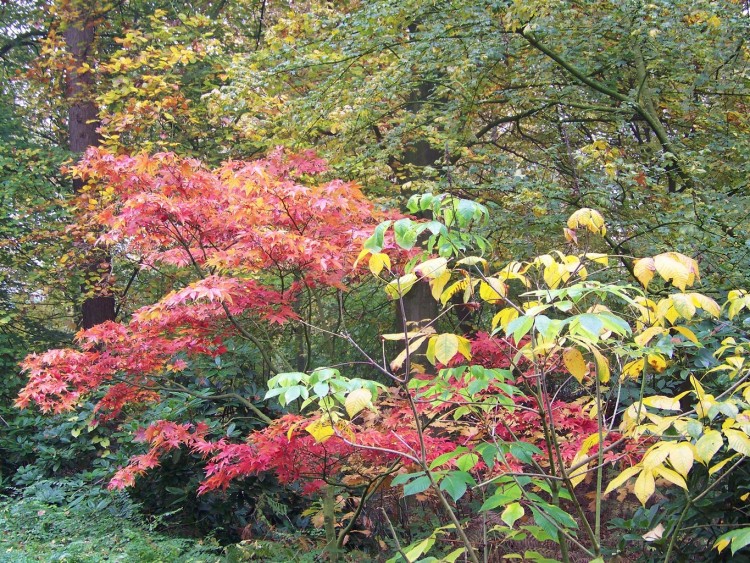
[531, 417]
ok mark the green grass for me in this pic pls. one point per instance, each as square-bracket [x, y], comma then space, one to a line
[31, 530]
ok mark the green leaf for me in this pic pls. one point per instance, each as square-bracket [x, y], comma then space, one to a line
[512, 512]
[455, 483]
[405, 233]
[377, 240]
[467, 461]
[418, 485]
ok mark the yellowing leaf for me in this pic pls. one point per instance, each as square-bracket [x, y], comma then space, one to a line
[676, 268]
[553, 274]
[657, 362]
[464, 347]
[633, 369]
[413, 346]
[707, 445]
[643, 270]
[433, 268]
[378, 261]
[687, 333]
[706, 303]
[681, 458]
[671, 476]
[399, 287]
[645, 337]
[602, 365]
[721, 464]
[438, 284]
[589, 219]
[683, 305]
[454, 288]
[492, 290]
[662, 402]
[446, 346]
[622, 477]
[644, 486]
[738, 441]
[504, 317]
[320, 430]
[602, 259]
[575, 363]
[356, 401]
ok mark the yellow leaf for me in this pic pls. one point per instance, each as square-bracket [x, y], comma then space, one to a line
[589, 219]
[320, 430]
[431, 269]
[598, 258]
[683, 305]
[643, 270]
[633, 369]
[438, 284]
[398, 288]
[681, 458]
[622, 477]
[464, 347]
[676, 268]
[504, 317]
[409, 335]
[602, 365]
[721, 464]
[553, 274]
[399, 360]
[575, 363]
[446, 346]
[356, 401]
[657, 362]
[738, 441]
[662, 402]
[706, 303]
[645, 337]
[707, 445]
[378, 261]
[671, 476]
[644, 486]
[687, 333]
[492, 290]
[454, 288]
[364, 252]
[580, 474]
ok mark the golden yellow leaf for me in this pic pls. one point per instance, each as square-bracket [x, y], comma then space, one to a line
[598, 258]
[504, 317]
[738, 441]
[645, 337]
[662, 402]
[622, 477]
[602, 365]
[681, 457]
[633, 369]
[657, 362]
[378, 261]
[413, 346]
[677, 268]
[671, 476]
[644, 486]
[356, 401]
[554, 273]
[438, 284]
[431, 269]
[683, 305]
[706, 303]
[320, 430]
[687, 333]
[643, 270]
[575, 363]
[589, 219]
[492, 290]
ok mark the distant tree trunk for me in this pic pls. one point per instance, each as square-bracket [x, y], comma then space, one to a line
[83, 127]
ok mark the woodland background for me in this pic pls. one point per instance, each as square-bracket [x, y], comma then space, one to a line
[343, 114]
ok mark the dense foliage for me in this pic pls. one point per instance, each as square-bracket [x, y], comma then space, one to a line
[398, 280]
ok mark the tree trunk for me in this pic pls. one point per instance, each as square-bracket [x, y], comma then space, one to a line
[83, 132]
